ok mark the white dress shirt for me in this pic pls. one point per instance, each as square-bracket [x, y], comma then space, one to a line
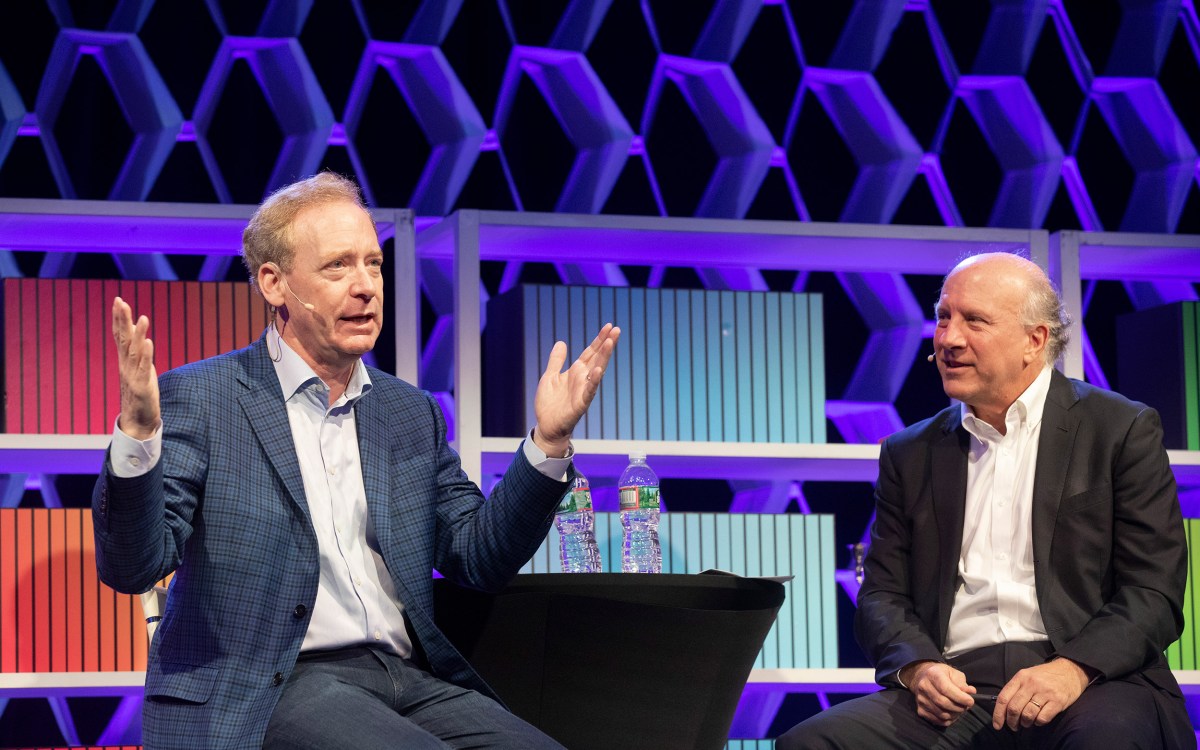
[356, 599]
[995, 600]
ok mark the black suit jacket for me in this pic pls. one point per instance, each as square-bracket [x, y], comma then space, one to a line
[1110, 557]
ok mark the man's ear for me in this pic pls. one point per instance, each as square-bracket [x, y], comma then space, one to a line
[1035, 346]
[270, 284]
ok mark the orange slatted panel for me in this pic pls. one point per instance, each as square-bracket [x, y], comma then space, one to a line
[75, 563]
[106, 633]
[42, 630]
[58, 560]
[24, 545]
[91, 597]
[241, 318]
[123, 619]
[8, 590]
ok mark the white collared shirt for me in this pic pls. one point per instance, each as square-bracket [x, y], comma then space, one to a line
[995, 600]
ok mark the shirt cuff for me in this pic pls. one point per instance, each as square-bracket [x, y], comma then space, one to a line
[554, 468]
[131, 457]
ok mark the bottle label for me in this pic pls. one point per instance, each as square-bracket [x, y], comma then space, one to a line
[576, 500]
[639, 497]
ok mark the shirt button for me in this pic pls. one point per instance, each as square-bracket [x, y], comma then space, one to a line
[135, 461]
[300, 611]
[277, 680]
[332, 472]
[1001, 556]
[378, 635]
[357, 581]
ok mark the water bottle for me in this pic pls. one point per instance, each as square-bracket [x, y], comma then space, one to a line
[639, 500]
[577, 529]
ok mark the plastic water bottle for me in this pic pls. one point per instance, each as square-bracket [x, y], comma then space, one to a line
[577, 529]
[640, 502]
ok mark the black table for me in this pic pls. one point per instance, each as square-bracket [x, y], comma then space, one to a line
[611, 660]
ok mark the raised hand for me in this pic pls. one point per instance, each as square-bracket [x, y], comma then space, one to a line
[140, 411]
[563, 396]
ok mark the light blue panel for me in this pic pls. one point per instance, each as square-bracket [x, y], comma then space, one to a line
[804, 417]
[609, 537]
[744, 375]
[592, 322]
[793, 633]
[774, 370]
[624, 363]
[636, 346]
[712, 346]
[654, 365]
[729, 373]
[608, 386]
[693, 543]
[723, 541]
[678, 554]
[670, 366]
[750, 745]
[699, 366]
[828, 566]
[758, 366]
[767, 567]
[562, 326]
[737, 544]
[578, 338]
[787, 365]
[530, 345]
[709, 541]
[810, 563]
[817, 359]
[683, 345]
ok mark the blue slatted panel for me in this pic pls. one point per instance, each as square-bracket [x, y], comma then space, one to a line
[750, 745]
[749, 544]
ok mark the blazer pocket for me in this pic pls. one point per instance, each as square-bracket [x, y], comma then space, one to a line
[1087, 498]
[168, 682]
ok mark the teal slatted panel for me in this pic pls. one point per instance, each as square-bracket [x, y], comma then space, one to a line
[750, 745]
[750, 544]
[816, 363]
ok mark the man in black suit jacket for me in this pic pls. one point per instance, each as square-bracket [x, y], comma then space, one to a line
[1027, 561]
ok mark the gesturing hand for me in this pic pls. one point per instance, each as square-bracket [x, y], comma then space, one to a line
[942, 692]
[139, 382]
[563, 396]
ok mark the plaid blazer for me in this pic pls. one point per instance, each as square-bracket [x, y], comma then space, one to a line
[225, 508]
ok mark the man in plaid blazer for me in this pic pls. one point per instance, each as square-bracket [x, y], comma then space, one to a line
[303, 498]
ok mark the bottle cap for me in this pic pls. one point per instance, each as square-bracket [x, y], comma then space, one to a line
[637, 456]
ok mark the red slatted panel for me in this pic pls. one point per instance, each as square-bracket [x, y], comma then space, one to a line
[112, 383]
[68, 338]
[59, 560]
[75, 563]
[226, 340]
[8, 590]
[62, 379]
[91, 596]
[28, 392]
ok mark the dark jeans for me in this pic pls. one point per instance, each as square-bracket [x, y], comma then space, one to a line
[367, 699]
[1109, 715]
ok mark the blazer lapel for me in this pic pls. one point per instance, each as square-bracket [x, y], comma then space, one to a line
[1050, 475]
[949, 486]
[265, 410]
[373, 452]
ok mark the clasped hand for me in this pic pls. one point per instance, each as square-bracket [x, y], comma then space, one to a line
[1034, 696]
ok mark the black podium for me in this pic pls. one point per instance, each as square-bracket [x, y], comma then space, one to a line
[612, 660]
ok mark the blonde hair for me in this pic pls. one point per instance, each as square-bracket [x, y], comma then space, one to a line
[268, 236]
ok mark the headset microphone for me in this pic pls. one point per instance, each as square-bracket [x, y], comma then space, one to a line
[307, 306]
[929, 358]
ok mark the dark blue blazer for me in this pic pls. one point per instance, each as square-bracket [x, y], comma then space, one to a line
[225, 509]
